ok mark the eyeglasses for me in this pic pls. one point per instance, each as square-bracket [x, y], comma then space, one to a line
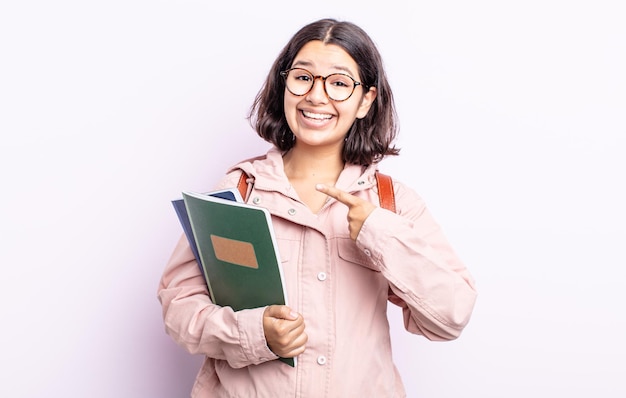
[337, 86]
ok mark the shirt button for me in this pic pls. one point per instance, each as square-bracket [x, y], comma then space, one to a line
[291, 212]
[321, 276]
[361, 182]
[256, 200]
[321, 360]
[367, 252]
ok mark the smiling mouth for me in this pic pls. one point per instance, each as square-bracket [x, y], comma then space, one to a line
[317, 116]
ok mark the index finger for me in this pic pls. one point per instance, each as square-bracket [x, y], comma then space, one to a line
[342, 196]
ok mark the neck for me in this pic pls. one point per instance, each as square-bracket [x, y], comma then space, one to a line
[321, 164]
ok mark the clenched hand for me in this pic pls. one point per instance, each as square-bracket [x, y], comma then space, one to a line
[284, 331]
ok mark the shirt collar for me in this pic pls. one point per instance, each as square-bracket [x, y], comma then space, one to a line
[269, 174]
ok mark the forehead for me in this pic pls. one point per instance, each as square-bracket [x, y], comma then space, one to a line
[325, 58]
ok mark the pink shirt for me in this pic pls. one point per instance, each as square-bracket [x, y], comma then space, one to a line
[340, 287]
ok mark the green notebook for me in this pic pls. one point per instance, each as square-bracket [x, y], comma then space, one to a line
[238, 252]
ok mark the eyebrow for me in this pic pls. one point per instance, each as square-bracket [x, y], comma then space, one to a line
[337, 67]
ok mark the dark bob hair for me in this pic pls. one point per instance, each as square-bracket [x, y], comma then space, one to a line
[369, 139]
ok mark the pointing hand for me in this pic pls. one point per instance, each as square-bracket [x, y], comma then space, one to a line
[358, 209]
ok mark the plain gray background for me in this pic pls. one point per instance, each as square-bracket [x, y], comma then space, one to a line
[512, 127]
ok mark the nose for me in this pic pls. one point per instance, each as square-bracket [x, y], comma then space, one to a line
[317, 94]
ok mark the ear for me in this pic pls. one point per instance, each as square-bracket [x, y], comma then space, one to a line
[366, 103]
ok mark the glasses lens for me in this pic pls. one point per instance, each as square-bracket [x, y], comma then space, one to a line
[339, 86]
[299, 81]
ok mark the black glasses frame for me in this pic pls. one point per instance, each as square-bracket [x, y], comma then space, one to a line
[285, 73]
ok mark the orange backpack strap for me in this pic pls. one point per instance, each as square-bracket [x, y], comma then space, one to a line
[242, 185]
[386, 194]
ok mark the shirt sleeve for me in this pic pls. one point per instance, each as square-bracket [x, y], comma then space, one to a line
[200, 326]
[426, 277]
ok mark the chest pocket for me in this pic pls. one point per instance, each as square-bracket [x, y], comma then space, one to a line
[284, 249]
[288, 252]
[348, 251]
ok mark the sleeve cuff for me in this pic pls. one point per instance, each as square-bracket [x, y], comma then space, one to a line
[373, 235]
[252, 336]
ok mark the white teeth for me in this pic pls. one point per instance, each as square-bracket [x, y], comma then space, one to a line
[318, 116]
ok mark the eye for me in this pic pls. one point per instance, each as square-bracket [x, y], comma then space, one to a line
[301, 75]
[340, 81]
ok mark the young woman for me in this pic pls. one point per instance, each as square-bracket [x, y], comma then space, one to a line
[328, 109]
